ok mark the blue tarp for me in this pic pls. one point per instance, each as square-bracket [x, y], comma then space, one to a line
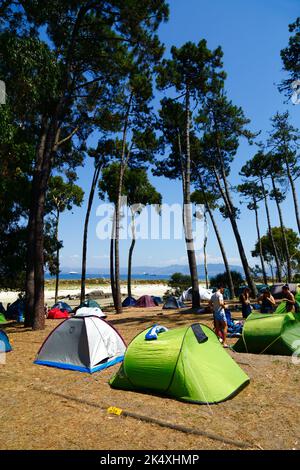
[16, 311]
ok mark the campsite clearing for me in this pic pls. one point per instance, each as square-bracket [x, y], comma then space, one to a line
[48, 408]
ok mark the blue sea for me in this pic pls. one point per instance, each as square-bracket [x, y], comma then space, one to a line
[146, 277]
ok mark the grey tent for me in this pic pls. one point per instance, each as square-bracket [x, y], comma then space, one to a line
[172, 303]
[83, 343]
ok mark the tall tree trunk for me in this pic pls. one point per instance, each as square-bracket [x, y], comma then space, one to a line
[57, 257]
[29, 283]
[50, 147]
[285, 243]
[118, 300]
[223, 252]
[295, 199]
[85, 231]
[272, 273]
[276, 257]
[187, 210]
[111, 259]
[260, 245]
[204, 250]
[48, 142]
[123, 164]
[230, 208]
[130, 255]
[218, 236]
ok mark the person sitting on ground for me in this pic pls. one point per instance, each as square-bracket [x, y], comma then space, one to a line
[220, 322]
[267, 302]
[245, 301]
[289, 298]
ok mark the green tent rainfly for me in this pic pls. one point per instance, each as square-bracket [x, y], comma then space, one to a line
[277, 334]
[180, 365]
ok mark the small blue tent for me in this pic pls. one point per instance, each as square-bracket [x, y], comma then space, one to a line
[63, 306]
[173, 303]
[129, 302]
[16, 311]
[4, 342]
[157, 300]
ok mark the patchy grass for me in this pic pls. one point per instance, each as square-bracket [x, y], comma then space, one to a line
[48, 408]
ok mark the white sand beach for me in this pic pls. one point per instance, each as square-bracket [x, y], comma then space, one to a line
[137, 290]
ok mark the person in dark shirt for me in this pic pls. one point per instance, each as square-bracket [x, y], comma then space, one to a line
[245, 301]
[267, 302]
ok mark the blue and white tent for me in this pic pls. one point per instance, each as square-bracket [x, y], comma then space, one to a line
[83, 343]
[4, 343]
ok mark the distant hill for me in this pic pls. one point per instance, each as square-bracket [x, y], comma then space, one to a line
[213, 269]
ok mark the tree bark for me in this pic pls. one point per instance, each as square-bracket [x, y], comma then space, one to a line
[285, 243]
[187, 210]
[130, 255]
[57, 258]
[260, 245]
[230, 208]
[278, 267]
[85, 231]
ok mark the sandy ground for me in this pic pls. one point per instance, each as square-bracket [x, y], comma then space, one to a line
[137, 291]
[48, 408]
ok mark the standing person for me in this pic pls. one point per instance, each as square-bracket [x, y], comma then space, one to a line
[245, 301]
[267, 302]
[289, 298]
[218, 305]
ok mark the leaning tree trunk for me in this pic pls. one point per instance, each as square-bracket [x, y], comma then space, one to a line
[261, 256]
[230, 208]
[295, 199]
[204, 250]
[285, 243]
[85, 231]
[57, 258]
[187, 211]
[223, 252]
[130, 256]
[276, 257]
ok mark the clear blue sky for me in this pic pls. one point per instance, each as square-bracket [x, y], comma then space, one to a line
[251, 35]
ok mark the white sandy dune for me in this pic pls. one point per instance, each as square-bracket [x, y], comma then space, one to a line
[137, 291]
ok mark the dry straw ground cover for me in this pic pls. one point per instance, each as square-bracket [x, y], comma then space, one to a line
[48, 408]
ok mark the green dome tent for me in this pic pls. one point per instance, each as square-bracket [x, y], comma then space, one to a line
[186, 363]
[270, 334]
